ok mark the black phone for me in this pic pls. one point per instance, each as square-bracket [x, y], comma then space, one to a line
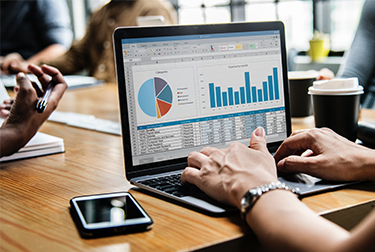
[108, 214]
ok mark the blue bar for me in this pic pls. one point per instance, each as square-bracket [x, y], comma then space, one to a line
[230, 95]
[212, 95]
[260, 96]
[225, 99]
[254, 92]
[265, 91]
[276, 82]
[218, 96]
[242, 92]
[209, 118]
[247, 85]
[236, 97]
[270, 87]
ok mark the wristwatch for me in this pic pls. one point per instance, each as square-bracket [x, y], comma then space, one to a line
[251, 196]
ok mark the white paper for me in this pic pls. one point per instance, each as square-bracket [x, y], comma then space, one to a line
[3, 93]
[40, 145]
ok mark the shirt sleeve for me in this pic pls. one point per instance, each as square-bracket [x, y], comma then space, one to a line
[360, 60]
[53, 21]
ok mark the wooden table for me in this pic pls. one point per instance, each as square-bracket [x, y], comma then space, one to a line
[35, 194]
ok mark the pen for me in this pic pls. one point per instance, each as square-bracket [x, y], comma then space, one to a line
[43, 102]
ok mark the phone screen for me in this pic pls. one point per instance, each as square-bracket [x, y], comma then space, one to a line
[115, 212]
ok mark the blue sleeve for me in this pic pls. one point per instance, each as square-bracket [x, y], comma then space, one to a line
[53, 22]
[361, 58]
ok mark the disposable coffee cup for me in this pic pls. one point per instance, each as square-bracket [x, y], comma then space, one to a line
[336, 105]
[300, 100]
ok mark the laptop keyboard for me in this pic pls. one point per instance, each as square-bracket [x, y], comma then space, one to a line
[171, 184]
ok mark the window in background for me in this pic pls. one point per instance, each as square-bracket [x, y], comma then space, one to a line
[297, 16]
[339, 18]
[344, 21]
[79, 12]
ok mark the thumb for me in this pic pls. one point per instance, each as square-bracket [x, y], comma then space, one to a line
[258, 139]
[22, 82]
[26, 92]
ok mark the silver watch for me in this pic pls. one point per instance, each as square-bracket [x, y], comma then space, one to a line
[251, 196]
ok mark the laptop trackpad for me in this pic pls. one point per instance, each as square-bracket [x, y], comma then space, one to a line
[309, 184]
[205, 202]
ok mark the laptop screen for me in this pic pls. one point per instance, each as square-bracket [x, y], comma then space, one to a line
[187, 91]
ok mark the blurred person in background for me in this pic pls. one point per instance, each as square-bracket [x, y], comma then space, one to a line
[359, 60]
[32, 31]
[94, 52]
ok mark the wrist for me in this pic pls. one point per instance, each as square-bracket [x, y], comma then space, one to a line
[250, 198]
[20, 132]
[9, 134]
[246, 181]
[367, 165]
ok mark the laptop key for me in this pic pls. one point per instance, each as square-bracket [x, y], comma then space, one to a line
[164, 187]
[172, 189]
[179, 194]
[170, 184]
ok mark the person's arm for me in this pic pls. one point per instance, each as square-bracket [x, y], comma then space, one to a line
[77, 58]
[327, 155]
[24, 121]
[283, 223]
[51, 28]
[360, 60]
[278, 218]
[14, 63]
[48, 53]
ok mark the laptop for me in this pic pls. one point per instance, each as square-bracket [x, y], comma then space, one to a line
[185, 87]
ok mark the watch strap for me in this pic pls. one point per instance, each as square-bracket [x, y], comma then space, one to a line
[252, 196]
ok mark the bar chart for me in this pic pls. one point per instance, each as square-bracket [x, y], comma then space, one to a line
[249, 93]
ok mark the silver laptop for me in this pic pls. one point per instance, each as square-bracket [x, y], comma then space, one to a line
[182, 88]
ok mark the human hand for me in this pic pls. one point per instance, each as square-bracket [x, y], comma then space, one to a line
[328, 156]
[325, 74]
[5, 108]
[226, 174]
[23, 116]
[13, 63]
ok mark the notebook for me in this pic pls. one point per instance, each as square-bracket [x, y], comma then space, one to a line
[40, 145]
[182, 88]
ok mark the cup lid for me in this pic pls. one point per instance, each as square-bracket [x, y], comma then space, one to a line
[302, 75]
[336, 87]
[358, 90]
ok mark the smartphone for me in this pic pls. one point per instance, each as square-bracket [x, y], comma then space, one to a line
[108, 214]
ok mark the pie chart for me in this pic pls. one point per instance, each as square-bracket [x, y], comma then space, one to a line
[155, 97]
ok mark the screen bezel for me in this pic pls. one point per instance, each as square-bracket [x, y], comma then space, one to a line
[160, 31]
